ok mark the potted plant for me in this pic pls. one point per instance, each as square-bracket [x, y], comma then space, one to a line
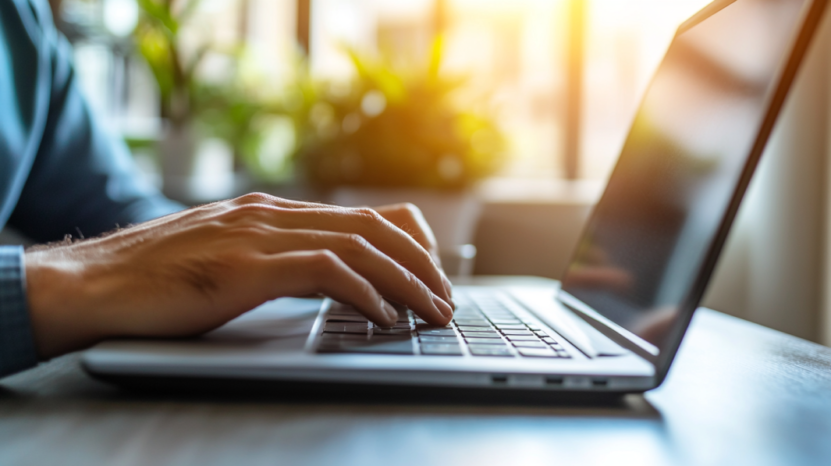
[195, 110]
[398, 133]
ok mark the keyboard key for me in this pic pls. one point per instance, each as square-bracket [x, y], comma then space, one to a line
[432, 339]
[506, 322]
[484, 341]
[347, 318]
[511, 327]
[397, 326]
[338, 337]
[465, 328]
[490, 351]
[529, 344]
[482, 336]
[384, 346]
[472, 322]
[440, 332]
[492, 335]
[526, 333]
[345, 327]
[478, 330]
[391, 331]
[441, 349]
[537, 352]
[522, 338]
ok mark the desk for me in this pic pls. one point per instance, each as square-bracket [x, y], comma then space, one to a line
[737, 394]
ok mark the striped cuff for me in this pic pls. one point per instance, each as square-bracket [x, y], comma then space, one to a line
[17, 345]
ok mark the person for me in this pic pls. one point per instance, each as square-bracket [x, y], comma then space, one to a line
[153, 268]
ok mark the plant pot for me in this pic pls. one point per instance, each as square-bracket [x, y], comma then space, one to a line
[453, 216]
[195, 170]
[177, 154]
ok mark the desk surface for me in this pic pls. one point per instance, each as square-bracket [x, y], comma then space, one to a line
[737, 394]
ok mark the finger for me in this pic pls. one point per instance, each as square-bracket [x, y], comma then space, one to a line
[409, 218]
[387, 276]
[267, 199]
[300, 273]
[367, 223]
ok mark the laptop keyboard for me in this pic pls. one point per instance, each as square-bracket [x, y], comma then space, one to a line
[482, 326]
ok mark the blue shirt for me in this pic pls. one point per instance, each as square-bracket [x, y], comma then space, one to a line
[60, 172]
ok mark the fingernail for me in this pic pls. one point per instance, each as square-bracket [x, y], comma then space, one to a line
[391, 312]
[443, 307]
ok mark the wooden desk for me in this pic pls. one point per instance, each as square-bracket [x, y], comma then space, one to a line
[738, 394]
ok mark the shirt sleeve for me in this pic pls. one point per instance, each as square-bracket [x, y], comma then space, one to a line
[17, 347]
[83, 181]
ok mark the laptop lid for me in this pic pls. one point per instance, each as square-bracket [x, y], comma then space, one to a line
[651, 243]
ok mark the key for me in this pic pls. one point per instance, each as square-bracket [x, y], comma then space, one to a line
[439, 332]
[391, 331]
[490, 350]
[526, 333]
[347, 318]
[522, 338]
[465, 328]
[506, 322]
[537, 353]
[434, 339]
[345, 327]
[485, 341]
[479, 330]
[480, 335]
[511, 327]
[529, 344]
[325, 337]
[384, 346]
[472, 323]
[441, 349]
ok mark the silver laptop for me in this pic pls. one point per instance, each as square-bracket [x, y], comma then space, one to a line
[629, 293]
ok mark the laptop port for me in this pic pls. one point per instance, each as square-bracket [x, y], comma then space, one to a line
[554, 380]
[600, 383]
[499, 379]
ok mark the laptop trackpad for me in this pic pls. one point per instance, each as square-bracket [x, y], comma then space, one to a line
[601, 343]
[281, 318]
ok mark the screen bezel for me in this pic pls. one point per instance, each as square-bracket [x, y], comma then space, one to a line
[784, 77]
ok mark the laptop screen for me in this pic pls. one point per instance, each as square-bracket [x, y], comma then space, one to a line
[647, 240]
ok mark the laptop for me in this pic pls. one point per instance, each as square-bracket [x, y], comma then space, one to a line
[627, 297]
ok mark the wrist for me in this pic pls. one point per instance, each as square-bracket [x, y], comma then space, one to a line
[60, 304]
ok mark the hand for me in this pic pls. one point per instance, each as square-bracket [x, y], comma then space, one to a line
[190, 272]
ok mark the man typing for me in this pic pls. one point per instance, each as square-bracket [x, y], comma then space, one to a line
[175, 272]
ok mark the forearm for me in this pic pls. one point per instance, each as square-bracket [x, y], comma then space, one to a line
[17, 346]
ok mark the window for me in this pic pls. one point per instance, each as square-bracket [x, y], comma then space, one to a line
[563, 76]
[518, 53]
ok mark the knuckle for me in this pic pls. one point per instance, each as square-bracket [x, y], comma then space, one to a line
[414, 282]
[323, 261]
[355, 243]
[246, 211]
[411, 209]
[255, 198]
[368, 215]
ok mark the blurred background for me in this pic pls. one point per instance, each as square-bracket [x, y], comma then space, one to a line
[500, 118]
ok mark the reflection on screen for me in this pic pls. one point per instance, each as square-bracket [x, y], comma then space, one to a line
[666, 198]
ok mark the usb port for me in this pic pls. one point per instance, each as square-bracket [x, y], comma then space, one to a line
[600, 383]
[554, 380]
[499, 379]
